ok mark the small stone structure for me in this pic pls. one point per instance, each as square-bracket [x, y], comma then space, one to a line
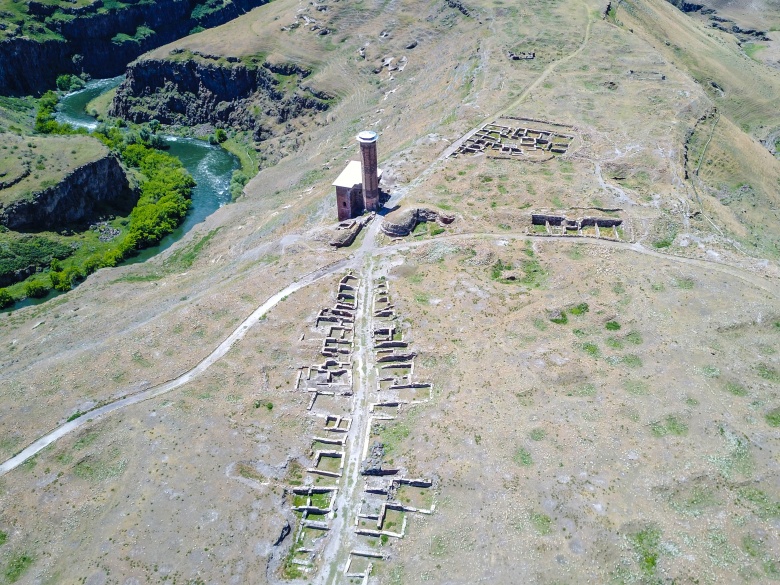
[514, 141]
[357, 187]
[521, 56]
[402, 223]
[347, 231]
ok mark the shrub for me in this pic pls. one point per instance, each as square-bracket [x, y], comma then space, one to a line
[36, 289]
[559, 318]
[44, 120]
[38, 251]
[6, 300]
[612, 326]
[68, 82]
[237, 182]
[773, 417]
[580, 309]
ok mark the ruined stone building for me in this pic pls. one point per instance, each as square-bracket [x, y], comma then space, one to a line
[357, 187]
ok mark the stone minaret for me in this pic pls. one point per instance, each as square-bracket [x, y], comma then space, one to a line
[367, 140]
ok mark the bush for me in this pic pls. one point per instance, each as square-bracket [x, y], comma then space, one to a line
[67, 82]
[36, 289]
[559, 318]
[38, 251]
[580, 309]
[44, 120]
[220, 135]
[6, 300]
[237, 182]
[66, 279]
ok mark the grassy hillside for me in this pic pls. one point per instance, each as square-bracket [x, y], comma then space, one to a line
[42, 161]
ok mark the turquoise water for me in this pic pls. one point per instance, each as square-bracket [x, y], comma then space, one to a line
[211, 166]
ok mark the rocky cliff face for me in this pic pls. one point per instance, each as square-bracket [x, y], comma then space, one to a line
[225, 92]
[100, 41]
[78, 197]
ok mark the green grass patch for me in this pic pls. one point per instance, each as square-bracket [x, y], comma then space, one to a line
[634, 337]
[736, 389]
[773, 417]
[17, 566]
[695, 501]
[186, 256]
[422, 298]
[736, 458]
[586, 390]
[75, 415]
[612, 326]
[768, 373]
[636, 387]
[591, 349]
[752, 49]
[614, 343]
[672, 425]
[684, 283]
[85, 441]
[764, 507]
[392, 436]
[542, 523]
[632, 361]
[710, 372]
[97, 469]
[522, 457]
[646, 545]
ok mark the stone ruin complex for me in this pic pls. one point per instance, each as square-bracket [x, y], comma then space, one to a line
[402, 223]
[555, 224]
[357, 187]
[513, 141]
[521, 56]
[387, 497]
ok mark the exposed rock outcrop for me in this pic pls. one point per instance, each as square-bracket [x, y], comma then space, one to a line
[192, 88]
[100, 41]
[78, 197]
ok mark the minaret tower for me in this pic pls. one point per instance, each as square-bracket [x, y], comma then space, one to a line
[367, 140]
